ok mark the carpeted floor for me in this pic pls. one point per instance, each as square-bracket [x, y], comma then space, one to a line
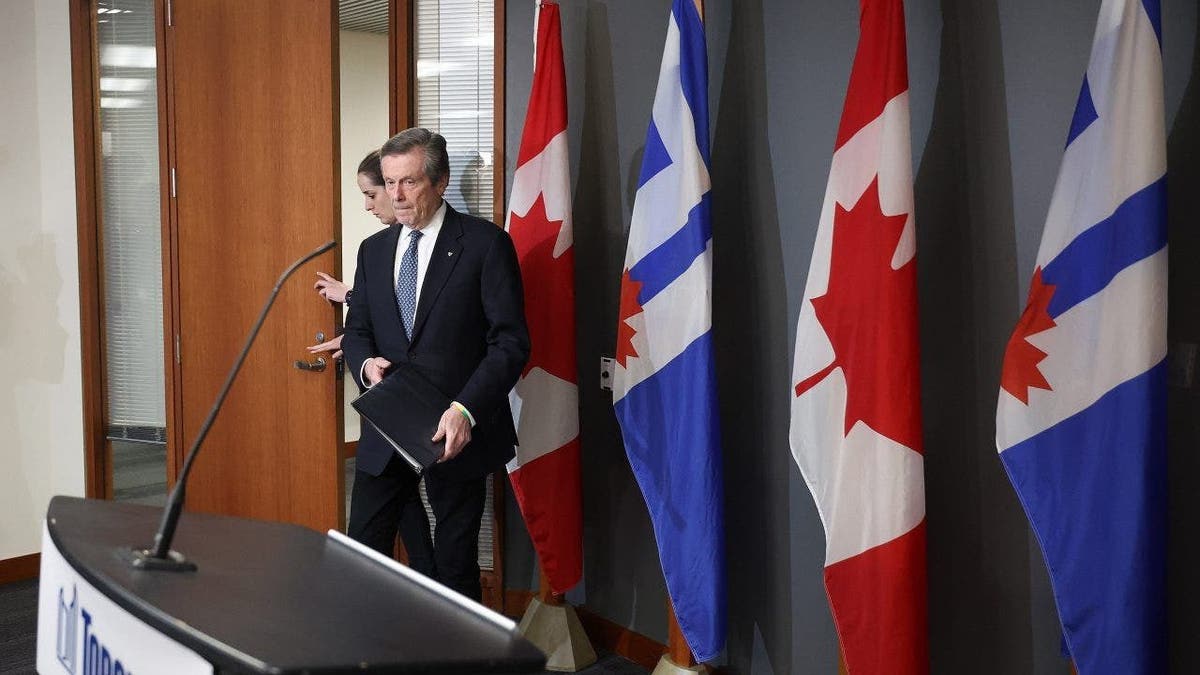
[18, 627]
[18, 636]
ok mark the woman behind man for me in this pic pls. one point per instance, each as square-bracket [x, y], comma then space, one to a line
[378, 204]
[414, 522]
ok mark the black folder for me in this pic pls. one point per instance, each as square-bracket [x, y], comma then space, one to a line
[405, 408]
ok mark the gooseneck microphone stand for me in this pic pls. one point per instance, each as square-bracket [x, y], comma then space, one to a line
[161, 557]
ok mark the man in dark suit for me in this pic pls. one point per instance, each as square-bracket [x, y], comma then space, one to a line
[441, 292]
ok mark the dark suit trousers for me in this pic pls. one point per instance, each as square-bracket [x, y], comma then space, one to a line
[381, 505]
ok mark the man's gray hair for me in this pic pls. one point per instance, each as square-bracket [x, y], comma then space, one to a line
[437, 162]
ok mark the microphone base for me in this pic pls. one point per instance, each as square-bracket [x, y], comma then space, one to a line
[140, 558]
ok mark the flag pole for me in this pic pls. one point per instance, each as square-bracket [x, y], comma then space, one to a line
[677, 647]
[678, 660]
[546, 593]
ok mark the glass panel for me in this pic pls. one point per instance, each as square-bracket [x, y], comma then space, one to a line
[454, 94]
[132, 253]
[363, 72]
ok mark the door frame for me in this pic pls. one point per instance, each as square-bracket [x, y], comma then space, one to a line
[85, 90]
[89, 226]
[85, 95]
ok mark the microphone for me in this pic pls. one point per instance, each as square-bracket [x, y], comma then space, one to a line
[161, 557]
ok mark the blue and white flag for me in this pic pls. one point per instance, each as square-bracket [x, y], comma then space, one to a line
[1081, 420]
[664, 387]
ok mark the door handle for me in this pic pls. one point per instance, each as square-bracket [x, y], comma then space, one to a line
[314, 366]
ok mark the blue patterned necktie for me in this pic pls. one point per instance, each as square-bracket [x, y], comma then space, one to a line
[406, 284]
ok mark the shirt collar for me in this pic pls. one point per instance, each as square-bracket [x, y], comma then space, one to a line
[430, 231]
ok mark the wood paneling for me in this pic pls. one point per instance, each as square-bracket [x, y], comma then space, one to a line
[254, 143]
[84, 89]
[495, 600]
[492, 581]
[498, 134]
[21, 568]
[401, 69]
[172, 373]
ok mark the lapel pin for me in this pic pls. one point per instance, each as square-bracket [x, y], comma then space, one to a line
[449, 253]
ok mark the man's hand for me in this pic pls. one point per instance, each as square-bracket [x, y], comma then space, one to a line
[334, 345]
[455, 428]
[331, 289]
[374, 370]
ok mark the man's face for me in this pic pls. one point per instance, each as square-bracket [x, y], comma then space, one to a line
[414, 197]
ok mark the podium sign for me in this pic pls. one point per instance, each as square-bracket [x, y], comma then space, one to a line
[80, 631]
[266, 598]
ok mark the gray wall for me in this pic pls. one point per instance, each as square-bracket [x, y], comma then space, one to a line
[993, 84]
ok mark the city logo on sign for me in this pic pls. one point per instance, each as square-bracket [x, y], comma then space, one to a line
[68, 624]
[97, 659]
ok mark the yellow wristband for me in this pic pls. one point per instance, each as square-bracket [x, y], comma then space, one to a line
[465, 413]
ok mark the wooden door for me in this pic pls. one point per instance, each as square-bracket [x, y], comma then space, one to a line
[253, 141]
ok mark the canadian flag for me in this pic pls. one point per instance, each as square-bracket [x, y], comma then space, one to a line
[856, 414]
[545, 473]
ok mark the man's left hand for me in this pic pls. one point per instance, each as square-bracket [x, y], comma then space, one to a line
[455, 428]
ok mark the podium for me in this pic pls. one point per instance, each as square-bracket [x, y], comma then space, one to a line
[266, 598]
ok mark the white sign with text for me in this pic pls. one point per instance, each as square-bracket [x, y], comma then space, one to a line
[80, 631]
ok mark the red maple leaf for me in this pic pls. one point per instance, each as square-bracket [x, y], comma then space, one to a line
[549, 291]
[1021, 358]
[630, 307]
[869, 312]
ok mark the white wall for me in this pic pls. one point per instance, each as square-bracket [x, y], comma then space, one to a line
[364, 66]
[41, 407]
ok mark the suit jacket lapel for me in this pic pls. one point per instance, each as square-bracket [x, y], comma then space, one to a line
[445, 256]
[386, 282]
